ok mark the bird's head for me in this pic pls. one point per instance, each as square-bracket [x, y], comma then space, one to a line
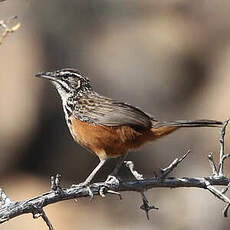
[67, 81]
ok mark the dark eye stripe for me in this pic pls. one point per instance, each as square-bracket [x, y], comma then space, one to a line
[61, 84]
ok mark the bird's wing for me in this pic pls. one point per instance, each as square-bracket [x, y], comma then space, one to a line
[105, 111]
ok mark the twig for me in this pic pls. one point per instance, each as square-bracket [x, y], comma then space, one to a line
[38, 211]
[224, 190]
[222, 155]
[225, 211]
[220, 195]
[46, 219]
[55, 183]
[217, 193]
[7, 29]
[166, 171]
[4, 199]
[145, 206]
[212, 164]
[220, 172]
[130, 165]
[145, 203]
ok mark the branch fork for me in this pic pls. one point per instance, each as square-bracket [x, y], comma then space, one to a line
[218, 171]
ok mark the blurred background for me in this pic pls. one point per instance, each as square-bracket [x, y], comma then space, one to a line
[170, 58]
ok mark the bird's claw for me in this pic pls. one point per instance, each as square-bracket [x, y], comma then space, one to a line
[111, 181]
[86, 186]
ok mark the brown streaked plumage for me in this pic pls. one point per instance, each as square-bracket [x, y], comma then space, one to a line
[107, 127]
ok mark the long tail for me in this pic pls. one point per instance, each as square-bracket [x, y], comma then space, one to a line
[160, 129]
[188, 123]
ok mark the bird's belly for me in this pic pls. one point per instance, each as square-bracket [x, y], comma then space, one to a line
[105, 141]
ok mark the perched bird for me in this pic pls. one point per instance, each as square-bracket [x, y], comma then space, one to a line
[107, 127]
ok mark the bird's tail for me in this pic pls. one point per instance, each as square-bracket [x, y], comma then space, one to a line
[160, 129]
[188, 123]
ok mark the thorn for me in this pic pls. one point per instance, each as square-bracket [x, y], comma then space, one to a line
[55, 183]
[90, 193]
[46, 219]
[225, 211]
[147, 209]
[115, 193]
[166, 171]
[4, 199]
[145, 206]
[224, 190]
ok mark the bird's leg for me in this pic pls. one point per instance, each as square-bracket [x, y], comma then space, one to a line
[112, 177]
[112, 180]
[92, 174]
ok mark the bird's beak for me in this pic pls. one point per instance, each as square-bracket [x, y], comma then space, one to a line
[46, 75]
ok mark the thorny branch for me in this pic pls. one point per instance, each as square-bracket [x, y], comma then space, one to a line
[10, 209]
[145, 206]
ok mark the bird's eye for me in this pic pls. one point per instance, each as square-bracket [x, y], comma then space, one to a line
[64, 77]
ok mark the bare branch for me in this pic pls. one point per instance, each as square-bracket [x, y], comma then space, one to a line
[28, 206]
[38, 211]
[55, 183]
[145, 206]
[166, 171]
[4, 199]
[46, 219]
[217, 193]
[145, 203]
[136, 174]
[224, 190]
[220, 172]
[225, 211]
[212, 164]
[222, 155]
[6, 29]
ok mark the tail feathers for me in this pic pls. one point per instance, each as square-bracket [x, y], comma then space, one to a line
[188, 123]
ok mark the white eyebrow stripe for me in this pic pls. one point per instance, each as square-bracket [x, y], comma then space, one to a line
[70, 73]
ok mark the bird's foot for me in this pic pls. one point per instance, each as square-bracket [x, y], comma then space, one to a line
[111, 182]
[85, 185]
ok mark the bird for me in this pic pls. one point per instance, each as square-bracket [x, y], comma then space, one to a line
[107, 127]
